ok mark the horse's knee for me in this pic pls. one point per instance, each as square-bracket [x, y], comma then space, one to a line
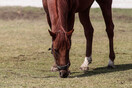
[89, 32]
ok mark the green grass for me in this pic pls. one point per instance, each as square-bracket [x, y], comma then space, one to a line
[25, 61]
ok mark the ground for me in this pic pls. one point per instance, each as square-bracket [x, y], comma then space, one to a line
[26, 61]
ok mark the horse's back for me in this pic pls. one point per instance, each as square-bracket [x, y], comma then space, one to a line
[78, 5]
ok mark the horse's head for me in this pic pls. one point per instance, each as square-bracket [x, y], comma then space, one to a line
[61, 43]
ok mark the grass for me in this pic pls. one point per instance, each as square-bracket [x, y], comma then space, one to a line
[26, 61]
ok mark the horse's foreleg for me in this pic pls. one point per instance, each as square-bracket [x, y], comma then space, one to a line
[107, 14]
[54, 67]
[88, 30]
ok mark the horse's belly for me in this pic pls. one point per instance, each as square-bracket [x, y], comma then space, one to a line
[83, 5]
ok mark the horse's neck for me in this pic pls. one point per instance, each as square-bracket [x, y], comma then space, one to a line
[59, 14]
[58, 28]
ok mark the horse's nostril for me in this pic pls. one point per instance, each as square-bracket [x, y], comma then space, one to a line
[60, 74]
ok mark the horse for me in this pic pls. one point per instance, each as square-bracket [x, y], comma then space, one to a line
[61, 16]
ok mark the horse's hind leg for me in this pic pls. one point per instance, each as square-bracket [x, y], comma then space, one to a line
[107, 14]
[88, 30]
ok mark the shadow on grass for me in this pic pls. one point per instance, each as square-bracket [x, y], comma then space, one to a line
[103, 70]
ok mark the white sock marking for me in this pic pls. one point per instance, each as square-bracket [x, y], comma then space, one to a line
[87, 61]
[111, 63]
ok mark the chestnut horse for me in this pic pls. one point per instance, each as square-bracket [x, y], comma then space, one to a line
[61, 16]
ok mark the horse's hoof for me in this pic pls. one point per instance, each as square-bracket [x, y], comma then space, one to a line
[84, 68]
[54, 69]
[110, 67]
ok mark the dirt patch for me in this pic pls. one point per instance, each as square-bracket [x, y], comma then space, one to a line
[29, 13]
[33, 56]
[33, 13]
[123, 18]
[130, 79]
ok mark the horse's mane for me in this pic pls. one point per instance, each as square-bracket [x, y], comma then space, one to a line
[62, 10]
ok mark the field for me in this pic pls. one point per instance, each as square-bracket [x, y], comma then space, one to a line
[25, 61]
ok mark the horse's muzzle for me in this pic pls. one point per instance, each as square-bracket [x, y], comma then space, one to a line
[64, 73]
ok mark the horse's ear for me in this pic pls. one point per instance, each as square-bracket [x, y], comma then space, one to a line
[52, 34]
[69, 34]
